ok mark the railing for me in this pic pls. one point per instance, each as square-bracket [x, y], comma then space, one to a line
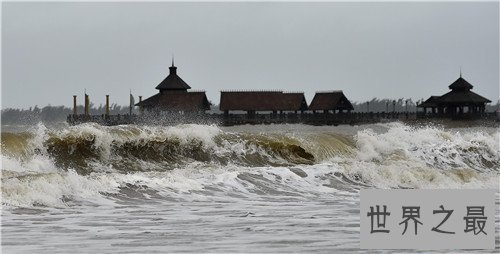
[315, 118]
[269, 118]
[141, 119]
[460, 116]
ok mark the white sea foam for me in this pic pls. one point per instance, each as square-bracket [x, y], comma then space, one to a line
[426, 157]
[400, 157]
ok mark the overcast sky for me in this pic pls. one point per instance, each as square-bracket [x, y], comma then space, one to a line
[51, 51]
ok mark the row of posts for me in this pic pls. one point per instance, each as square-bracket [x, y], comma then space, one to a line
[87, 105]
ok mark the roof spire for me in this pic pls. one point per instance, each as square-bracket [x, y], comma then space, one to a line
[173, 69]
[460, 71]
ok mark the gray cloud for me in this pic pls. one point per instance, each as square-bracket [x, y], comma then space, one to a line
[51, 51]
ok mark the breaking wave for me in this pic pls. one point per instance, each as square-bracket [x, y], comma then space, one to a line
[43, 167]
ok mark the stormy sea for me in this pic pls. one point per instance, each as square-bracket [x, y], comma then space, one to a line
[205, 188]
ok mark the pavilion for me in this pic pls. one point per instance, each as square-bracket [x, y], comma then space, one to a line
[460, 102]
[173, 96]
[255, 101]
[334, 101]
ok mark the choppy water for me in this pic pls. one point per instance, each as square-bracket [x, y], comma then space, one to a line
[278, 188]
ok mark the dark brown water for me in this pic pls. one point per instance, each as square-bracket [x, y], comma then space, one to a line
[194, 188]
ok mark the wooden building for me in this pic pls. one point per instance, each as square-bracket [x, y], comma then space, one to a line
[334, 101]
[173, 96]
[432, 104]
[460, 102]
[254, 101]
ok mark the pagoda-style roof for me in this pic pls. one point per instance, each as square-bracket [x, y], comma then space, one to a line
[187, 101]
[460, 85]
[262, 101]
[172, 81]
[330, 101]
[462, 97]
[432, 102]
[460, 94]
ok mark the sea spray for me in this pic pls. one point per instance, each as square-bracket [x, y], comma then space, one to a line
[91, 163]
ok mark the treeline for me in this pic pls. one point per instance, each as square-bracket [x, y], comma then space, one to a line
[50, 114]
[386, 105]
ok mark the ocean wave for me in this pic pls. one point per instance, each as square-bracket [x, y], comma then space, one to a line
[92, 163]
[431, 145]
[125, 147]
